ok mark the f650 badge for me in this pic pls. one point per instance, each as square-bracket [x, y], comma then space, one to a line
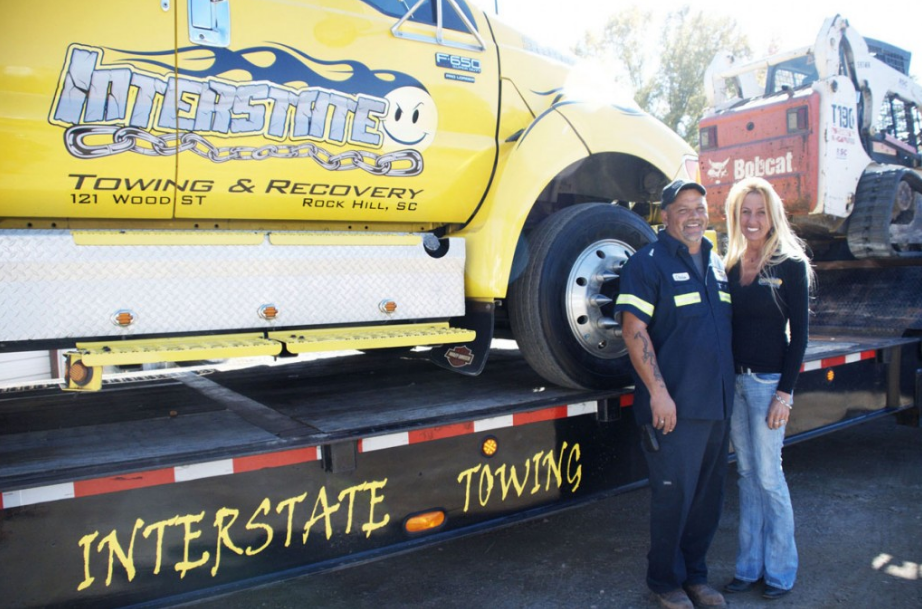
[457, 62]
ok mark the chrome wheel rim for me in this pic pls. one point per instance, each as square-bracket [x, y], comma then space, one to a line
[592, 288]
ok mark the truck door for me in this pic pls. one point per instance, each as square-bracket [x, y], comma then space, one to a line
[82, 112]
[315, 111]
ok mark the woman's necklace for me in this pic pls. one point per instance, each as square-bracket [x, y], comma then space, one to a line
[750, 267]
[751, 257]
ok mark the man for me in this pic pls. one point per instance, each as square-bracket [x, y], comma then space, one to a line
[675, 310]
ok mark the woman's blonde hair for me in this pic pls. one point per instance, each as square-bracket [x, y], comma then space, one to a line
[781, 242]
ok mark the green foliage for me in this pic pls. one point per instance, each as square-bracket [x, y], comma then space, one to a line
[666, 59]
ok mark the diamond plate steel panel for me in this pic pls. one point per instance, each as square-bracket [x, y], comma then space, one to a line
[51, 288]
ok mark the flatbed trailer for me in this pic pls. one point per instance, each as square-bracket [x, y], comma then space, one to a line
[165, 489]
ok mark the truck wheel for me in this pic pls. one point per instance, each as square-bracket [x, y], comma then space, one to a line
[561, 307]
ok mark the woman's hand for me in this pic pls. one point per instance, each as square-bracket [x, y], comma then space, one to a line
[778, 413]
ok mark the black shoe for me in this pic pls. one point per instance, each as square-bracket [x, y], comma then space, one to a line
[771, 592]
[738, 585]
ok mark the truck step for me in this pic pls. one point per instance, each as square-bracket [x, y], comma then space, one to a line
[403, 335]
[84, 367]
[148, 351]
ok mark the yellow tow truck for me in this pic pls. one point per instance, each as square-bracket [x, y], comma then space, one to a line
[198, 179]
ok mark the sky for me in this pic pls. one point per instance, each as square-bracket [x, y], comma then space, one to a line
[793, 23]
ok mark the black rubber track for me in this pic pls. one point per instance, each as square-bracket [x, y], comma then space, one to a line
[869, 224]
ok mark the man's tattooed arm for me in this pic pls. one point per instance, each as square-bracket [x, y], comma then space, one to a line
[648, 357]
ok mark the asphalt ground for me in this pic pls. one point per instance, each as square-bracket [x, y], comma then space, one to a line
[857, 496]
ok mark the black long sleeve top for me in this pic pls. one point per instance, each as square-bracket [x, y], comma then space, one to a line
[760, 340]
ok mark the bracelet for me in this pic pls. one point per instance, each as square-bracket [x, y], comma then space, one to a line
[784, 401]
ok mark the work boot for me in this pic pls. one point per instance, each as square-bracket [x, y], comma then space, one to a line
[705, 597]
[674, 599]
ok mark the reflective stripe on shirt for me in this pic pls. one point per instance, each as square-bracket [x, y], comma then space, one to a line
[691, 298]
[642, 305]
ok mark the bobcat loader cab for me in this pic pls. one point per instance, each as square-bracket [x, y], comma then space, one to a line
[835, 127]
[193, 179]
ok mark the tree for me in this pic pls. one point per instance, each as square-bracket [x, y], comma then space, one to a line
[666, 61]
[623, 38]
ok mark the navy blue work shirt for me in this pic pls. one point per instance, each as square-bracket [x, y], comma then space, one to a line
[689, 321]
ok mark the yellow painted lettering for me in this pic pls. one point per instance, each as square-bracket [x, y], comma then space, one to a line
[374, 499]
[116, 551]
[86, 541]
[327, 511]
[224, 536]
[554, 467]
[290, 504]
[574, 477]
[513, 479]
[264, 510]
[467, 474]
[159, 527]
[189, 535]
[537, 460]
[349, 492]
[485, 475]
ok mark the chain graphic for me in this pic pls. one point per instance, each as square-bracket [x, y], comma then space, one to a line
[132, 139]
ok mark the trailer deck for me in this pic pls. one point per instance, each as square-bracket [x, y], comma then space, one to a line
[189, 416]
[183, 417]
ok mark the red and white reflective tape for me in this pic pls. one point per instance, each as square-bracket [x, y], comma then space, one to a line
[839, 360]
[223, 467]
[406, 438]
[156, 477]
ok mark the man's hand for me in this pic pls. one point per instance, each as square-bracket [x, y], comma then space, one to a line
[664, 415]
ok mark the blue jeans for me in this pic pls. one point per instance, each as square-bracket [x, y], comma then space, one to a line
[766, 535]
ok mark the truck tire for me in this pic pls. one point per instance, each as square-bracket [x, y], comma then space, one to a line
[561, 306]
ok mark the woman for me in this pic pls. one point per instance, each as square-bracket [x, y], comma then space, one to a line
[770, 279]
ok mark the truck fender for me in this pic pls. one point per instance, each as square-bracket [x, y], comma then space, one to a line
[563, 135]
[525, 167]
[633, 132]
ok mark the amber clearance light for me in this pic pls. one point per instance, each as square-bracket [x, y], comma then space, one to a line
[123, 318]
[426, 521]
[268, 312]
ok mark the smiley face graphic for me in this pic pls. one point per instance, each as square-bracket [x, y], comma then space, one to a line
[411, 119]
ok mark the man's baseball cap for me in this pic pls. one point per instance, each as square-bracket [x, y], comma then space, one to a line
[672, 191]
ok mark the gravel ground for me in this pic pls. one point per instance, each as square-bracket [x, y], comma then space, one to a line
[857, 497]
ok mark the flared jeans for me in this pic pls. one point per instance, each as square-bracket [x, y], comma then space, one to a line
[766, 533]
